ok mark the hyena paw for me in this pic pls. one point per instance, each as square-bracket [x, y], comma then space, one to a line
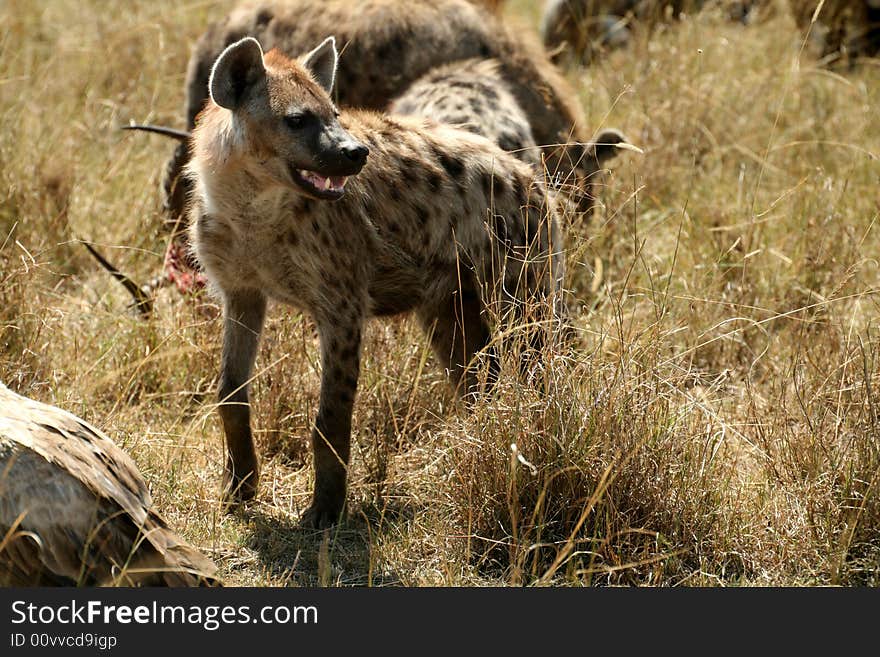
[322, 514]
[238, 489]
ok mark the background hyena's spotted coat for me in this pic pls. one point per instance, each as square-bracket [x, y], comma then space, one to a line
[474, 96]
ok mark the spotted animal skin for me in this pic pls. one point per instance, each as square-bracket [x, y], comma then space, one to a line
[473, 95]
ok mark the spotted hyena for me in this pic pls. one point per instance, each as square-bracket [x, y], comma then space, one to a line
[388, 45]
[844, 29]
[577, 30]
[474, 96]
[350, 215]
[574, 30]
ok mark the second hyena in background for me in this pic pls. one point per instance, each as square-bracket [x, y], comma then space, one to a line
[573, 30]
[474, 96]
[353, 215]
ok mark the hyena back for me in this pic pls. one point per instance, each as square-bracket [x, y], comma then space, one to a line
[434, 220]
[474, 96]
[388, 45]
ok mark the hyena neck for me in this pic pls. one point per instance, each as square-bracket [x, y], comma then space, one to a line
[228, 182]
[217, 137]
[238, 193]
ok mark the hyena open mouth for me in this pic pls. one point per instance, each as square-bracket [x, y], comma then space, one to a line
[329, 188]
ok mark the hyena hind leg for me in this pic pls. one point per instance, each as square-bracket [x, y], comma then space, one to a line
[456, 322]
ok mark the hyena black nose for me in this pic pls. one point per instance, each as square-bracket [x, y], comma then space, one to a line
[356, 152]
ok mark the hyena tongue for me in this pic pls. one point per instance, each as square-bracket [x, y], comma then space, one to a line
[330, 182]
[325, 183]
[320, 181]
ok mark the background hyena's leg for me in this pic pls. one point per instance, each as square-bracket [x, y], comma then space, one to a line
[244, 312]
[331, 437]
[458, 329]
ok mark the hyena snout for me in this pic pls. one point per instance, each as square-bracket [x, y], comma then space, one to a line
[339, 153]
[356, 153]
[333, 166]
[344, 156]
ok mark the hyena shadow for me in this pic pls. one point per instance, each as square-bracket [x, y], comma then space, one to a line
[344, 555]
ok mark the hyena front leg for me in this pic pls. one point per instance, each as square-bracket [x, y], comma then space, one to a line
[331, 438]
[244, 312]
[457, 325]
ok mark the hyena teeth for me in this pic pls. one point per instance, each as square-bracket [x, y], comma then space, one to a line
[320, 182]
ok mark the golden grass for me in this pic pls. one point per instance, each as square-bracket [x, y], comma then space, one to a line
[719, 427]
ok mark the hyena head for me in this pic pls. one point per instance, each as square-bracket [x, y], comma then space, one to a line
[282, 116]
[577, 168]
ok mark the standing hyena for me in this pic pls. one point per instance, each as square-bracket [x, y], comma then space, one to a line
[431, 219]
[388, 45]
[845, 28]
[474, 96]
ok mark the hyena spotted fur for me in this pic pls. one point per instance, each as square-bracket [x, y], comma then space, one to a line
[474, 96]
[388, 45]
[353, 215]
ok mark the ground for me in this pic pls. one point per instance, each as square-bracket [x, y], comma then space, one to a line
[718, 426]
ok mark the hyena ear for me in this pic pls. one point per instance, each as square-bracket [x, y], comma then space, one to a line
[237, 69]
[322, 63]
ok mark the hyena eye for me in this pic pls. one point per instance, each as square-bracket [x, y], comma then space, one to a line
[296, 121]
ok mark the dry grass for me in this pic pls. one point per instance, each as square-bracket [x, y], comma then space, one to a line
[719, 427]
